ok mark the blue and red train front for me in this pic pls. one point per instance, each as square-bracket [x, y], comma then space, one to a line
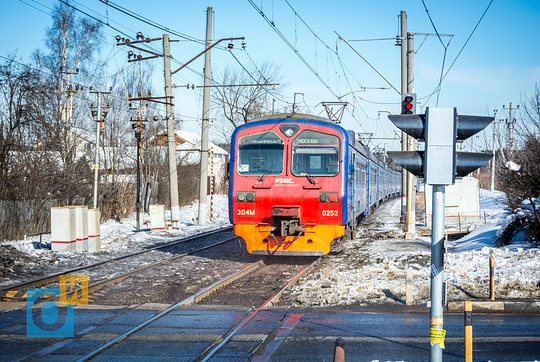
[288, 185]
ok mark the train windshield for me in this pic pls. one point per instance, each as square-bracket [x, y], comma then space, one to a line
[260, 154]
[315, 154]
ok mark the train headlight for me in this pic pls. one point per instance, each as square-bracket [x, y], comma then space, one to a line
[328, 197]
[240, 196]
[243, 196]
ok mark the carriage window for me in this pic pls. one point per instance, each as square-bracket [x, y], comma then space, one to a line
[315, 154]
[260, 154]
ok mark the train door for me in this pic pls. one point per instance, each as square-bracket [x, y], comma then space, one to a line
[368, 188]
[361, 187]
[352, 195]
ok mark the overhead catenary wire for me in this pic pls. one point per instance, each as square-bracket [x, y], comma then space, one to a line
[443, 76]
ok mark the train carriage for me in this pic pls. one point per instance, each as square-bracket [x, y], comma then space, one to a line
[297, 182]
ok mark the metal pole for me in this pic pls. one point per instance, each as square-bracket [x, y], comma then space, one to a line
[491, 277]
[96, 162]
[492, 186]
[203, 212]
[138, 204]
[171, 135]
[411, 202]
[100, 118]
[339, 350]
[436, 332]
[510, 132]
[403, 18]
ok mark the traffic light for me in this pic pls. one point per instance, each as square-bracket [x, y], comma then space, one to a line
[440, 129]
[467, 126]
[408, 103]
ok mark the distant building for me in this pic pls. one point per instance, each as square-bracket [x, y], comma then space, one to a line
[188, 147]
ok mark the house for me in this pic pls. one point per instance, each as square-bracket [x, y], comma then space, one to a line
[188, 147]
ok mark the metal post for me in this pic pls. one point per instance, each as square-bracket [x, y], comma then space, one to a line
[138, 204]
[211, 180]
[171, 134]
[203, 212]
[492, 186]
[138, 138]
[96, 162]
[510, 131]
[403, 18]
[101, 118]
[411, 202]
[339, 350]
[436, 332]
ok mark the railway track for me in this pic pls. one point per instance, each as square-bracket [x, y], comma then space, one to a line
[100, 274]
[250, 293]
[237, 338]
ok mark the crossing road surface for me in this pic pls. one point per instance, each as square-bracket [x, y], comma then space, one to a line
[404, 337]
[370, 334]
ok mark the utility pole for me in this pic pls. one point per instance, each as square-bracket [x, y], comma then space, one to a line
[138, 126]
[203, 185]
[99, 117]
[492, 186]
[510, 122]
[404, 177]
[411, 179]
[169, 106]
[171, 133]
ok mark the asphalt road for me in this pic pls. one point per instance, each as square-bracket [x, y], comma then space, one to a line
[370, 334]
[405, 337]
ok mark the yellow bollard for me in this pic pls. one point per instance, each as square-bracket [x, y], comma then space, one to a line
[339, 350]
[468, 331]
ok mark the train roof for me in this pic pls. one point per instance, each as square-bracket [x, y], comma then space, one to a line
[292, 116]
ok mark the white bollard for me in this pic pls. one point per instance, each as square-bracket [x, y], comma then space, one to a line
[63, 233]
[81, 223]
[94, 237]
[157, 217]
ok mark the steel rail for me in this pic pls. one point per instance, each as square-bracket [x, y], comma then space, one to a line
[56, 276]
[274, 299]
[191, 300]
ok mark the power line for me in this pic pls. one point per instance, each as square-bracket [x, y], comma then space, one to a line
[151, 22]
[443, 76]
[293, 48]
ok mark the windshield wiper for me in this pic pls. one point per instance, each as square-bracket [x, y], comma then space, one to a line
[266, 173]
[308, 176]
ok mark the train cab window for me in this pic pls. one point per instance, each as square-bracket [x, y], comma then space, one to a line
[315, 154]
[260, 154]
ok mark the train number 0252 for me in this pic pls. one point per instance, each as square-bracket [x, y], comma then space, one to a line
[330, 213]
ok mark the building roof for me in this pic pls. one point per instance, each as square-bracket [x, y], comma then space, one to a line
[186, 141]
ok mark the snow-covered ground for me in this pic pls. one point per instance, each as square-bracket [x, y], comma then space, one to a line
[371, 269]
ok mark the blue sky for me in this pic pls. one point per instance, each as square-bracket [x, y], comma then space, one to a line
[499, 64]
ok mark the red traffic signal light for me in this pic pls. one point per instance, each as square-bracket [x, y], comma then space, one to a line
[408, 103]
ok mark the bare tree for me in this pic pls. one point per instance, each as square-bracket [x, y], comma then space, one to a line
[19, 90]
[240, 97]
[73, 44]
[521, 178]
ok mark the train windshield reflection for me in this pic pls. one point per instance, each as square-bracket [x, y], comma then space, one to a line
[260, 154]
[315, 154]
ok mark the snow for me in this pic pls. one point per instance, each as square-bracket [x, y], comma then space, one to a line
[370, 269]
[374, 271]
